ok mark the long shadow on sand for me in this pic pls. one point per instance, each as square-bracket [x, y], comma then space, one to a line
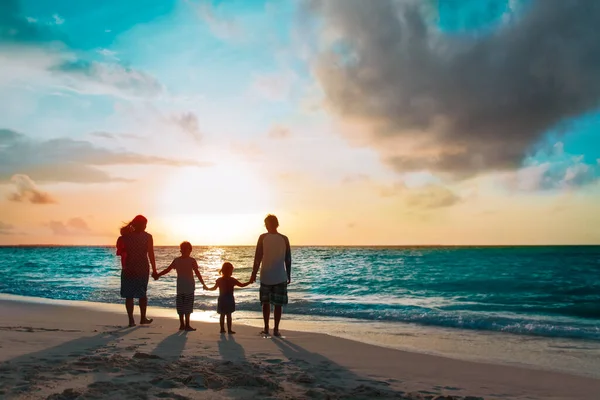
[73, 348]
[172, 346]
[230, 350]
[78, 356]
[332, 378]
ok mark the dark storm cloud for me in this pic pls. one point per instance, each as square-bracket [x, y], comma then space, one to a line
[456, 103]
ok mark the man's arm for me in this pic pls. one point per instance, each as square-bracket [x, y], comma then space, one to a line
[258, 255]
[288, 259]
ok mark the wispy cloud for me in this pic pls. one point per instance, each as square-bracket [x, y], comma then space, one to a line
[425, 197]
[27, 191]
[30, 55]
[223, 27]
[6, 229]
[188, 123]
[280, 132]
[69, 160]
[74, 226]
[110, 135]
[461, 104]
[275, 86]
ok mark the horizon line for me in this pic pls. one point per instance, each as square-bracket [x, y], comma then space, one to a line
[320, 245]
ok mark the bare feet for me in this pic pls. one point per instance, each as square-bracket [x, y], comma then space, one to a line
[222, 331]
[131, 324]
[277, 333]
[189, 329]
[264, 332]
[181, 327]
[146, 321]
[231, 332]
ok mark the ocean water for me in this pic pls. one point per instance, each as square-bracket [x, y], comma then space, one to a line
[549, 291]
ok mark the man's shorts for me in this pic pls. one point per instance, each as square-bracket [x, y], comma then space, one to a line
[274, 294]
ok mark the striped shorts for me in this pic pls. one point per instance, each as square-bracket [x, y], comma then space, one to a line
[274, 294]
[184, 302]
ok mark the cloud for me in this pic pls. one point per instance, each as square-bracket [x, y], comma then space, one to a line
[188, 122]
[110, 135]
[58, 20]
[106, 78]
[461, 104]
[74, 226]
[33, 53]
[279, 132]
[16, 28]
[6, 229]
[221, 27]
[276, 86]
[427, 196]
[553, 169]
[431, 197]
[68, 160]
[27, 191]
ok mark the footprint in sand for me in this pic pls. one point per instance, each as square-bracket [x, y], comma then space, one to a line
[167, 395]
[273, 360]
[146, 356]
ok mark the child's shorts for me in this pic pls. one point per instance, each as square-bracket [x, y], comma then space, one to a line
[184, 303]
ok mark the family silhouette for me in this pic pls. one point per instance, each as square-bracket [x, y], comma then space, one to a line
[272, 259]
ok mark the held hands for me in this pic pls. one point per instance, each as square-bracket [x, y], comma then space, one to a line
[204, 286]
[155, 275]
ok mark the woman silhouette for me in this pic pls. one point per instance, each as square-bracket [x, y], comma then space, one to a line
[136, 246]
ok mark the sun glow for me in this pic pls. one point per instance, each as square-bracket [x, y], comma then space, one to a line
[215, 229]
[221, 205]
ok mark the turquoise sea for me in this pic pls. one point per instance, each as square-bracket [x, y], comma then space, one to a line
[549, 291]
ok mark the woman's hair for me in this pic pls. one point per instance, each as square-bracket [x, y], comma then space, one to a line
[125, 229]
[136, 224]
[226, 269]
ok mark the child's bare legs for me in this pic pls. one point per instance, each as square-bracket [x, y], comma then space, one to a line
[129, 308]
[181, 324]
[222, 321]
[187, 323]
[229, 324]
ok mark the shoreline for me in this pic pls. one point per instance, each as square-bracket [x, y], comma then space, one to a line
[578, 357]
[79, 346]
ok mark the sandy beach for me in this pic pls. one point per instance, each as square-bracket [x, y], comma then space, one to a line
[74, 352]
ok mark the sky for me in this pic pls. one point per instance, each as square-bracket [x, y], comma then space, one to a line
[388, 122]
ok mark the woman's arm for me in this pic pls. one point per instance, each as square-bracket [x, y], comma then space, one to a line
[166, 271]
[121, 251]
[151, 254]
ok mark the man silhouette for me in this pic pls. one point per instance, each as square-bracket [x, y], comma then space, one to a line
[274, 253]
